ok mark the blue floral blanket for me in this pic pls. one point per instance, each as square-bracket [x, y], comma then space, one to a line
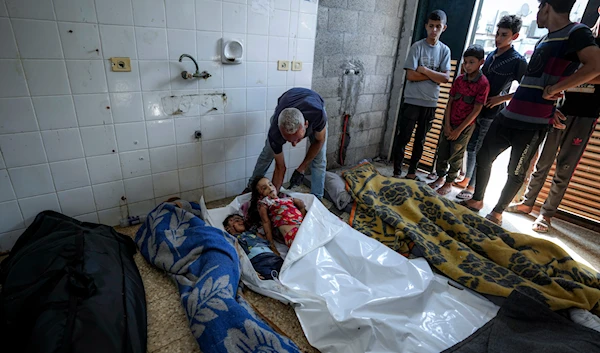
[205, 266]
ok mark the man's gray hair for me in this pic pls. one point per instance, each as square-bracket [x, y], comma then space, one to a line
[290, 120]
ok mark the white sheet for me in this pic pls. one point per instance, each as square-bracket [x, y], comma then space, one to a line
[353, 294]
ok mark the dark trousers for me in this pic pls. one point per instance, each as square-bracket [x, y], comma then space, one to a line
[572, 142]
[482, 125]
[266, 263]
[410, 116]
[524, 145]
[451, 153]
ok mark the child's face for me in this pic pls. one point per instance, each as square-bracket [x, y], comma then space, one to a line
[266, 188]
[235, 225]
[435, 29]
[471, 64]
[505, 37]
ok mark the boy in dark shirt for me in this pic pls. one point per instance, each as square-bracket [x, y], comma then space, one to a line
[468, 94]
[581, 108]
[502, 67]
[523, 124]
[263, 259]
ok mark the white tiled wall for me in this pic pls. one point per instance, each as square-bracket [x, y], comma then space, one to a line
[77, 138]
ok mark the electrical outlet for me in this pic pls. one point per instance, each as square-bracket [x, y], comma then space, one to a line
[283, 65]
[120, 64]
[296, 65]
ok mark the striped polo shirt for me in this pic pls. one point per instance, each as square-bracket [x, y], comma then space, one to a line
[554, 59]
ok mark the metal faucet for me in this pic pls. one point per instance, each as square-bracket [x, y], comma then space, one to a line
[187, 75]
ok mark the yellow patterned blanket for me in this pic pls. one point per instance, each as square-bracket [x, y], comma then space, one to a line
[465, 246]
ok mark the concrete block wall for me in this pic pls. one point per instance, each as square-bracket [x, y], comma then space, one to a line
[362, 32]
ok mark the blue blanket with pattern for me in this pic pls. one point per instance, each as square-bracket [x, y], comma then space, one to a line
[205, 266]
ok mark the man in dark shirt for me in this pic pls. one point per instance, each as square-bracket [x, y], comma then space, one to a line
[566, 57]
[300, 112]
[502, 67]
[581, 108]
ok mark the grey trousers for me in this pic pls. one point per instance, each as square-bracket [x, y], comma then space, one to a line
[572, 142]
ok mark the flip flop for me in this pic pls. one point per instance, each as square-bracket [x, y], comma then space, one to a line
[493, 219]
[514, 208]
[464, 195]
[464, 203]
[432, 176]
[541, 222]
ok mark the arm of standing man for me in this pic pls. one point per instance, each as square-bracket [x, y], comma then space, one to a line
[411, 65]
[470, 118]
[313, 150]
[589, 56]
[521, 69]
[437, 77]
[414, 76]
[279, 172]
[595, 81]
[443, 76]
[447, 126]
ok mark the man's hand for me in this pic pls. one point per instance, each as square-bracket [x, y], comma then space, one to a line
[494, 101]
[454, 135]
[551, 95]
[421, 69]
[559, 117]
[296, 178]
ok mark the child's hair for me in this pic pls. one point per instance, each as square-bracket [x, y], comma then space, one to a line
[438, 15]
[474, 50]
[512, 22]
[253, 215]
[559, 6]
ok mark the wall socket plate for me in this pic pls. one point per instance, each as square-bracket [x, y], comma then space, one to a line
[283, 65]
[120, 64]
[296, 65]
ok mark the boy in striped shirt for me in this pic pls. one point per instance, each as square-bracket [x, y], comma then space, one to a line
[566, 57]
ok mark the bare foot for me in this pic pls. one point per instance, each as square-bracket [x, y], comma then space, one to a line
[495, 217]
[463, 184]
[474, 204]
[445, 189]
[439, 182]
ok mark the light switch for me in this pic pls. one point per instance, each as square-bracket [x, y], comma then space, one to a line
[283, 65]
[120, 64]
[296, 65]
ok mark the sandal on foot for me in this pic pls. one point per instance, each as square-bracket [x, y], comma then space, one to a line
[464, 203]
[497, 221]
[541, 225]
[464, 195]
[514, 208]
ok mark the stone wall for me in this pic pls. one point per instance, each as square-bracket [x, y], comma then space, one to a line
[355, 56]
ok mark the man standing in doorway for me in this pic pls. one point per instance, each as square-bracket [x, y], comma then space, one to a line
[523, 124]
[502, 67]
[427, 66]
[300, 112]
[581, 108]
